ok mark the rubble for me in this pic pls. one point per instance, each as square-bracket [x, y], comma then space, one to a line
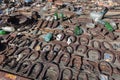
[59, 40]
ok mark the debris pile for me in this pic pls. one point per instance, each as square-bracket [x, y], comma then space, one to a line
[59, 40]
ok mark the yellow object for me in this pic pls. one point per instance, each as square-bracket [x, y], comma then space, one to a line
[37, 48]
[12, 77]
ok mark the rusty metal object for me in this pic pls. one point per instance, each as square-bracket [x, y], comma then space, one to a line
[109, 56]
[3, 48]
[105, 67]
[34, 55]
[48, 56]
[87, 67]
[21, 53]
[118, 57]
[17, 39]
[23, 67]
[81, 49]
[2, 58]
[55, 24]
[45, 23]
[92, 76]
[11, 38]
[72, 38]
[32, 45]
[76, 62]
[50, 24]
[22, 43]
[10, 62]
[28, 43]
[106, 45]
[51, 71]
[40, 22]
[94, 54]
[103, 32]
[96, 44]
[35, 70]
[64, 58]
[17, 20]
[95, 65]
[82, 75]
[83, 40]
[57, 47]
[11, 50]
[35, 15]
[66, 74]
[47, 48]
[69, 49]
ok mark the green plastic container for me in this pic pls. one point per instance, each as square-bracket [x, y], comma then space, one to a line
[109, 27]
[56, 16]
[2, 32]
[78, 31]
